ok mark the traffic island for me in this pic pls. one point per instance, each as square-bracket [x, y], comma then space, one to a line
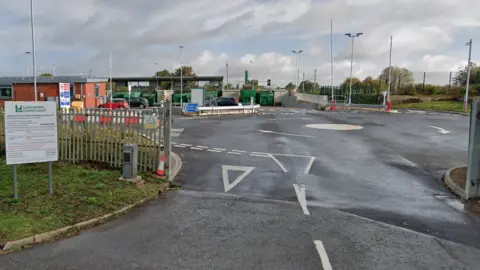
[455, 180]
[84, 196]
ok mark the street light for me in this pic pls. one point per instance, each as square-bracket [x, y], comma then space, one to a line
[181, 76]
[156, 74]
[296, 66]
[465, 102]
[226, 64]
[352, 36]
[32, 24]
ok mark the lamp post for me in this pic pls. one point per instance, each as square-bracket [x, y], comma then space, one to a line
[352, 36]
[32, 24]
[181, 75]
[226, 64]
[156, 74]
[296, 66]
[465, 101]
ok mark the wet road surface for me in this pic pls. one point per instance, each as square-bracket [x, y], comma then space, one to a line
[259, 191]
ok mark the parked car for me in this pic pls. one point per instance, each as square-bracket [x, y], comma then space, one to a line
[226, 101]
[138, 102]
[116, 103]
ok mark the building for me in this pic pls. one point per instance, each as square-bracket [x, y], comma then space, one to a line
[154, 82]
[90, 90]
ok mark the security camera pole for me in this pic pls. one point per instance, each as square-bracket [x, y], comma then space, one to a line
[352, 36]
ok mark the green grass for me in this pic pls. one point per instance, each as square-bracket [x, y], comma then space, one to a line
[79, 194]
[453, 106]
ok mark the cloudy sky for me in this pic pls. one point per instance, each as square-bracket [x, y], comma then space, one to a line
[77, 36]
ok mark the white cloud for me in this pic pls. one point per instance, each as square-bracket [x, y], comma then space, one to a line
[78, 35]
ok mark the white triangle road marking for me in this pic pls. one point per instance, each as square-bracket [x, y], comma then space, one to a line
[229, 185]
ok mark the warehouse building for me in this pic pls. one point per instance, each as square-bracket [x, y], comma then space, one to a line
[90, 90]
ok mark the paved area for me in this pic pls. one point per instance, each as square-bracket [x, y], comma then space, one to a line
[272, 192]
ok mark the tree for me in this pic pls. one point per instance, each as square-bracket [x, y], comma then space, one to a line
[290, 86]
[186, 71]
[254, 83]
[228, 86]
[164, 73]
[309, 86]
[356, 83]
[401, 77]
[460, 78]
[46, 75]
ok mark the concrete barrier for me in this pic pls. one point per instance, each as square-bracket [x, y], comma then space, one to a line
[317, 99]
[249, 109]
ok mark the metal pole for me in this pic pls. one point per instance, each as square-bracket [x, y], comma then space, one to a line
[303, 81]
[296, 69]
[33, 50]
[227, 75]
[110, 71]
[390, 69]
[15, 187]
[331, 57]
[315, 80]
[423, 86]
[50, 182]
[351, 73]
[449, 81]
[181, 76]
[465, 102]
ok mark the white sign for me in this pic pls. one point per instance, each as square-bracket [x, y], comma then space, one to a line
[64, 94]
[197, 96]
[31, 132]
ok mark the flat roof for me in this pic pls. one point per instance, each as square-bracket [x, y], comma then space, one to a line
[51, 79]
[167, 78]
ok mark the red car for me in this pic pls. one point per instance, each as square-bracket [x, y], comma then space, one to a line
[116, 103]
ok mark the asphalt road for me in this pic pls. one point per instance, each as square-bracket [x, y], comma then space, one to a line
[268, 192]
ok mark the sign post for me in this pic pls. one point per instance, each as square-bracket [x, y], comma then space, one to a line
[31, 135]
[64, 94]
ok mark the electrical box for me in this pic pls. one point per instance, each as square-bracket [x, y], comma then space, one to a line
[130, 161]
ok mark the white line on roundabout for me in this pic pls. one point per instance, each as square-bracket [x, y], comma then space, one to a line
[309, 166]
[286, 134]
[213, 150]
[196, 148]
[278, 162]
[234, 153]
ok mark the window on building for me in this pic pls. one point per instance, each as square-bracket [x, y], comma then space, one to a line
[5, 92]
[97, 90]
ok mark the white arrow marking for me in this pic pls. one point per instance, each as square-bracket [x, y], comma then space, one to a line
[287, 134]
[300, 191]
[441, 130]
[323, 255]
[226, 183]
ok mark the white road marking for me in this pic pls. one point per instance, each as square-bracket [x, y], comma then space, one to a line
[212, 150]
[181, 146]
[309, 166]
[260, 153]
[278, 162]
[257, 155]
[226, 183]
[178, 130]
[286, 134]
[441, 130]
[323, 255]
[334, 126]
[199, 146]
[196, 148]
[290, 155]
[220, 149]
[234, 153]
[302, 199]
[240, 151]
[185, 144]
[277, 119]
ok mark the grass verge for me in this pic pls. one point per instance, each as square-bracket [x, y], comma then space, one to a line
[452, 106]
[80, 194]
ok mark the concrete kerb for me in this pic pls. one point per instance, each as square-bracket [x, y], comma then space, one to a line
[48, 236]
[177, 165]
[452, 185]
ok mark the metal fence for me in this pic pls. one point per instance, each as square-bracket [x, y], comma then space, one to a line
[98, 135]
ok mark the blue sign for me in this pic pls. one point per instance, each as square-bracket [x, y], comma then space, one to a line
[190, 107]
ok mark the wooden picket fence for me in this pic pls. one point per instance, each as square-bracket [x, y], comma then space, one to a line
[98, 135]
